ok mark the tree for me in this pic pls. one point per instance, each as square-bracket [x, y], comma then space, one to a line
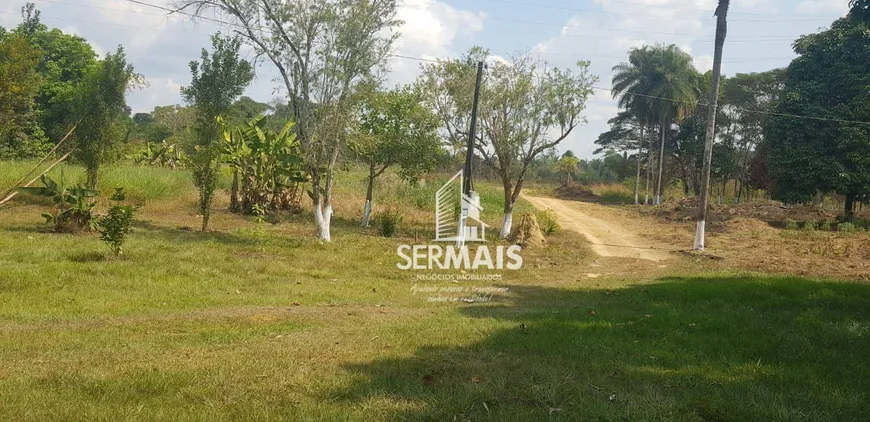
[721, 31]
[829, 149]
[395, 129]
[65, 61]
[525, 111]
[216, 82]
[626, 133]
[568, 166]
[660, 82]
[322, 50]
[101, 105]
[750, 97]
[20, 135]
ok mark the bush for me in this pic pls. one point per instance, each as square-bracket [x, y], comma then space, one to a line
[73, 205]
[116, 224]
[791, 224]
[810, 226]
[824, 225]
[389, 222]
[846, 228]
[547, 222]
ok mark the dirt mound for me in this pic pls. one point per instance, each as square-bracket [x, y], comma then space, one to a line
[574, 191]
[528, 232]
[769, 211]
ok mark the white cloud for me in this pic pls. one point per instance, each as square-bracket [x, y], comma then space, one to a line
[429, 31]
[703, 63]
[605, 40]
[822, 6]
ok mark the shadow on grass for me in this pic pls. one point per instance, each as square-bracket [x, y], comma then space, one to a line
[696, 349]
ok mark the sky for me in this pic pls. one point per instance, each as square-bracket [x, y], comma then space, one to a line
[558, 32]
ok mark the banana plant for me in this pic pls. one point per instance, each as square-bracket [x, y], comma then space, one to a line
[72, 204]
[267, 166]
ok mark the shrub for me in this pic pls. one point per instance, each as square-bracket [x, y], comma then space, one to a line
[824, 225]
[73, 205]
[389, 222]
[116, 224]
[791, 224]
[810, 226]
[547, 222]
[846, 228]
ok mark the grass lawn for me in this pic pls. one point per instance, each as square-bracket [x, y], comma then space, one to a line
[259, 322]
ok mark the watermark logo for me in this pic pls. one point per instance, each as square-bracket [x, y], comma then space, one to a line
[458, 220]
[457, 215]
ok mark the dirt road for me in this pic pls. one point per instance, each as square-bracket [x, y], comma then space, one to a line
[608, 234]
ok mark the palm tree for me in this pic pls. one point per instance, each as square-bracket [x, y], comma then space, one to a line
[629, 85]
[721, 31]
[660, 84]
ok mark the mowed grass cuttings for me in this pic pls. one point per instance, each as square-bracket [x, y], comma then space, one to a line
[260, 322]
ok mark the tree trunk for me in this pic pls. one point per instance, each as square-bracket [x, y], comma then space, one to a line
[721, 29]
[92, 172]
[637, 176]
[367, 209]
[649, 166]
[507, 222]
[234, 192]
[849, 208]
[659, 188]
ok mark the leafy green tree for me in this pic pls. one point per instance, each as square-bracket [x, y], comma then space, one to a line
[524, 110]
[216, 82]
[748, 98]
[626, 133]
[101, 105]
[20, 134]
[322, 52]
[661, 82]
[830, 151]
[65, 61]
[395, 129]
[568, 166]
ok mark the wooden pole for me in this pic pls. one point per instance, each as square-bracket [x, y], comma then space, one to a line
[23, 178]
[32, 181]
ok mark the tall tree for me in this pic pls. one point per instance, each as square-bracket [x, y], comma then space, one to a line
[526, 111]
[66, 60]
[322, 50]
[20, 135]
[101, 105]
[712, 106]
[658, 82]
[395, 129]
[626, 133]
[216, 82]
[830, 150]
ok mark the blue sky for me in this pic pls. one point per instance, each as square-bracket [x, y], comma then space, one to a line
[560, 32]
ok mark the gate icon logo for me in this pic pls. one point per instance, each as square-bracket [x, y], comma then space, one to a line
[457, 215]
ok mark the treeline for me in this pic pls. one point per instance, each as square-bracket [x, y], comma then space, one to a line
[794, 134]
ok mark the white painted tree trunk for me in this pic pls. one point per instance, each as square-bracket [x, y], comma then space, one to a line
[699, 235]
[367, 212]
[322, 218]
[507, 224]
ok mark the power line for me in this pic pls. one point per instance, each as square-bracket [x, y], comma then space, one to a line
[560, 25]
[438, 61]
[804, 18]
[583, 36]
[267, 30]
[824, 119]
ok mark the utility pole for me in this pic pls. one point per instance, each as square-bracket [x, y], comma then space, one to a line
[721, 31]
[467, 186]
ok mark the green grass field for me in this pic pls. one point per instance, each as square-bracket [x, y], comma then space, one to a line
[260, 322]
